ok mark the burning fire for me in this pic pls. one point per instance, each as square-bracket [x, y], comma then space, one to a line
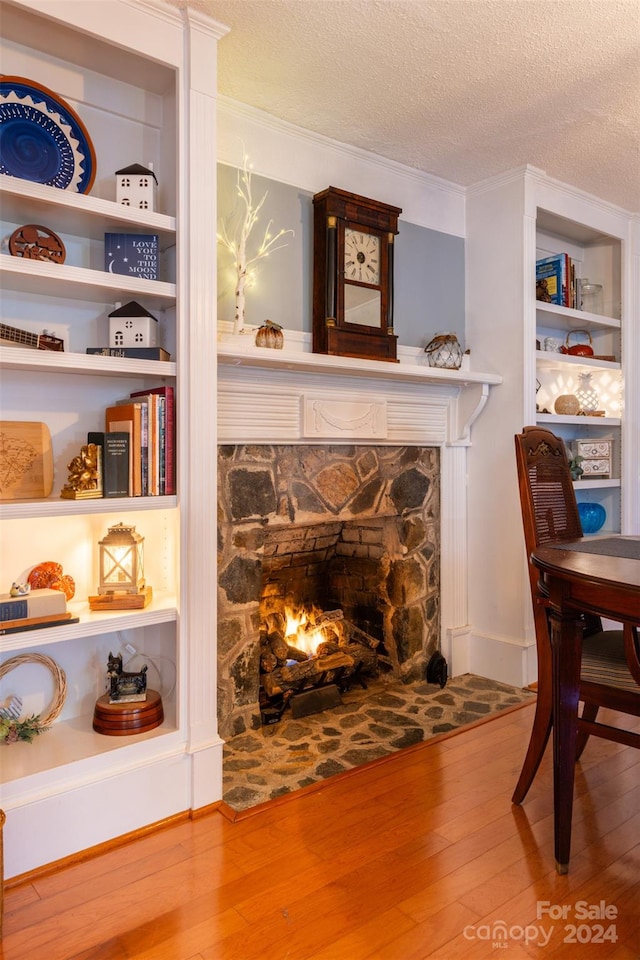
[299, 631]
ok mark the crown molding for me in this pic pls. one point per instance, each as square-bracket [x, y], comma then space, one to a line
[290, 154]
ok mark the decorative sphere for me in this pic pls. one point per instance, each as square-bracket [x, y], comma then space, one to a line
[592, 517]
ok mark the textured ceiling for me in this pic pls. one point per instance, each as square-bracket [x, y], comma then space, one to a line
[462, 89]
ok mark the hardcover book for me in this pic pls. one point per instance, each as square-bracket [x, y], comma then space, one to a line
[115, 461]
[132, 254]
[134, 353]
[552, 279]
[42, 602]
[167, 431]
[125, 417]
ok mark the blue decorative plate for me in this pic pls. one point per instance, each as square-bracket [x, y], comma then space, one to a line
[42, 138]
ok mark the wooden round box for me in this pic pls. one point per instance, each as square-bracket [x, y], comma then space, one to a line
[123, 719]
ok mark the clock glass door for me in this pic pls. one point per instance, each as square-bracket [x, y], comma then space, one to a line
[362, 306]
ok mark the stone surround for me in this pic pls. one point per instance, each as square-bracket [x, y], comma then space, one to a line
[336, 525]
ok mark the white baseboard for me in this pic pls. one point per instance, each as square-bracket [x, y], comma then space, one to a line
[44, 830]
[508, 661]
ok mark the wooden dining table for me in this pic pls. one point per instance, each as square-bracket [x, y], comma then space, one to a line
[599, 575]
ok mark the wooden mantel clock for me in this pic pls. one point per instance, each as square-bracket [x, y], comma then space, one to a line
[353, 276]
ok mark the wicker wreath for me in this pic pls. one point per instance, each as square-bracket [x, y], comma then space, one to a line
[12, 730]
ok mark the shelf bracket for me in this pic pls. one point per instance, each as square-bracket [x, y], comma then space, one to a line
[465, 411]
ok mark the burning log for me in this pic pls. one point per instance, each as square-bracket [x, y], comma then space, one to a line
[268, 661]
[294, 653]
[279, 646]
[302, 671]
[345, 651]
[329, 616]
[276, 623]
[356, 635]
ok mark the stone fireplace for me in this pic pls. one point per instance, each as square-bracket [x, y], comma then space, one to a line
[331, 468]
[330, 527]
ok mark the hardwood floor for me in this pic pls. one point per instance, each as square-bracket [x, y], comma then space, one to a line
[421, 856]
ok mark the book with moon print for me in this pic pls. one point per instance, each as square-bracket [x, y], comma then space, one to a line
[132, 254]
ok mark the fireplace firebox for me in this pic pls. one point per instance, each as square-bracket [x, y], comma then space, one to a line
[346, 535]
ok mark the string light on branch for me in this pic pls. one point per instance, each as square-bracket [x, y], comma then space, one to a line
[235, 241]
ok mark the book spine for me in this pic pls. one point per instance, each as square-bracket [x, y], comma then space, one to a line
[13, 609]
[137, 452]
[144, 447]
[155, 452]
[169, 438]
[162, 484]
[117, 421]
[168, 393]
[134, 353]
[115, 461]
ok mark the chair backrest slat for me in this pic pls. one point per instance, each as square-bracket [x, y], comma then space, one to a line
[548, 500]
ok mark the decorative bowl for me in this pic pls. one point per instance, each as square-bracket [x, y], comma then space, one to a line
[592, 517]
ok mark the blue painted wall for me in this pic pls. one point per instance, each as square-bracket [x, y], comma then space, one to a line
[429, 267]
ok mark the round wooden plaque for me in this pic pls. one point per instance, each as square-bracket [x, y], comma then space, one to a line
[124, 719]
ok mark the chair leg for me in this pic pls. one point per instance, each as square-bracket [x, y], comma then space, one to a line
[589, 712]
[542, 723]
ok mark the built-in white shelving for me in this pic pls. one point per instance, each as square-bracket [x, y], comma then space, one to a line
[142, 78]
[512, 221]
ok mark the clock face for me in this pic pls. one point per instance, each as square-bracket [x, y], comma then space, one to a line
[361, 257]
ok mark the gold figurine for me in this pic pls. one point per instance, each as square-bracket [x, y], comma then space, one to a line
[85, 476]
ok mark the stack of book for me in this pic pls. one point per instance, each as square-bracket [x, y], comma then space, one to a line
[138, 445]
[556, 281]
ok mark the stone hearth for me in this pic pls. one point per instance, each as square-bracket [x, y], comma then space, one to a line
[268, 763]
[333, 525]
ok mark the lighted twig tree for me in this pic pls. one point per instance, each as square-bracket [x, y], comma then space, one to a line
[235, 241]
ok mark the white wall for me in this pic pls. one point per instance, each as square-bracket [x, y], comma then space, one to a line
[288, 154]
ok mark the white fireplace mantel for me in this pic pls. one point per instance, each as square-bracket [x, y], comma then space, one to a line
[294, 396]
[262, 389]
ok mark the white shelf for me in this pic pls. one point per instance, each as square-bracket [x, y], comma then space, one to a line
[23, 201]
[46, 361]
[565, 318]
[70, 749]
[552, 418]
[596, 484]
[58, 507]
[36, 278]
[555, 361]
[162, 609]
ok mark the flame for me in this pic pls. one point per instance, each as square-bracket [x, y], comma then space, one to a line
[297, 632]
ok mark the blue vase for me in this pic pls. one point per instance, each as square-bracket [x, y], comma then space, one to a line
[592, 517]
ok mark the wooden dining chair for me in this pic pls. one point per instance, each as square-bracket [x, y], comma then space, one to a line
[610, 672]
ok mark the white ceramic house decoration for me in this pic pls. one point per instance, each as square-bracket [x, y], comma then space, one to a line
[132, 326]
[137, 186]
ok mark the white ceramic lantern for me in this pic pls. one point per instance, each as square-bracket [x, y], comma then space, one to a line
[137, 186]
[132, 326]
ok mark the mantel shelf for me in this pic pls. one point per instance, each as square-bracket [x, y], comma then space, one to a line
[299, 361]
